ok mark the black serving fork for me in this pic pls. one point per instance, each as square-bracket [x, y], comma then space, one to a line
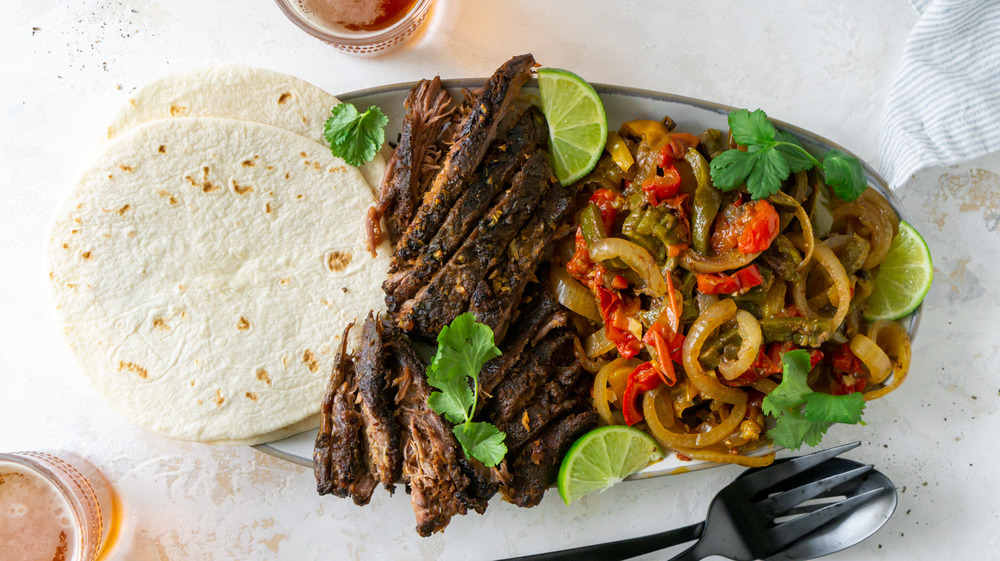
[745, 520]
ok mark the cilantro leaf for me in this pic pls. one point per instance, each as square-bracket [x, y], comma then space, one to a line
[769, 170]
[481, 441]
[792, 430]
[751, 129]
[454, 400]
[835, 408]
[463, 348]
[844, 174]
[355, 137]
[771, 156]
[793, 388]
[797, 158]
[731, 168]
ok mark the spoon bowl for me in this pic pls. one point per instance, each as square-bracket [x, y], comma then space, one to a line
[850, 529]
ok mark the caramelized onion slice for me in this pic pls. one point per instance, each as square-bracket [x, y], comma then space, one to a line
[573, 295]
[597, 344]
[702, 328]
[698, 263]
[690, 440]
[637, 259]
[723, 457]
[872, 356]
[749, 329]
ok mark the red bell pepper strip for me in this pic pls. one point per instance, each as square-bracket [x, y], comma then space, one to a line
[616, 323]
[660, 187]
[849, 372]
[718, 283]
[677, 147]
[760, 227]
[674, 341]
[644, 378]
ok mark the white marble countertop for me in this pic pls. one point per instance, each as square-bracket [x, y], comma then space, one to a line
[824, 65]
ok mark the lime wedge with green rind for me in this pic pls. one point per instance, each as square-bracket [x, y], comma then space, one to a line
[603, 457]
[903, 279]
[578, 127]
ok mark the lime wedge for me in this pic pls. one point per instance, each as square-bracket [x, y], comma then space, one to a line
[603, 457]
[903, 279]
[578, 128]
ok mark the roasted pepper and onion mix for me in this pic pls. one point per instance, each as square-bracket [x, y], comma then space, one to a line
[696, 298]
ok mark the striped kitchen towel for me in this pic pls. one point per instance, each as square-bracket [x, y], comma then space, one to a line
[944, 106]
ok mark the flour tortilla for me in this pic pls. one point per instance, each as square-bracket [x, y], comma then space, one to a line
[238, 92]
[204, 269]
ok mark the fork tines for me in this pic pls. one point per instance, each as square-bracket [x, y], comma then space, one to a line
[779, 503]
[771, 476]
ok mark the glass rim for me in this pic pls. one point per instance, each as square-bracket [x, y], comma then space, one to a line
[49, 473]
[355, 40]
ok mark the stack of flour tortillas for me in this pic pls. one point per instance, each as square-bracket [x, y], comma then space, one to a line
[211, 253]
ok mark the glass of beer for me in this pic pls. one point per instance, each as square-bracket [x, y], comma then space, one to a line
[362, 27]
[53, 506]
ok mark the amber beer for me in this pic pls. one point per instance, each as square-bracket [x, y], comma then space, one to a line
[354, 15]
[52, 508]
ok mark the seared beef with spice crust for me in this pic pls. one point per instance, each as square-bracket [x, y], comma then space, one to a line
[447, 295]
[496, 297]
[473, 229]
[537, 310]
[470, 143]
[428, 108]
[536, 466]
[377, 413]
[532, 371]
[504, 158]
[340, 453]
[431, 455]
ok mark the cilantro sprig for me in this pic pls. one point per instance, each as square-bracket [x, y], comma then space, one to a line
[355, 137]
[797, 425]
[463, 348]
[771, 156]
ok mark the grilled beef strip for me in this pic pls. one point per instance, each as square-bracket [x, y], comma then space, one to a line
[340, 451]
[381, 430]
[538, 462]
[505, 157]
[432, 457]
[496, 297]
[470, 144]
[522, 382]
[447, 295]
[536, 311]
[566, 389]
[428, 108]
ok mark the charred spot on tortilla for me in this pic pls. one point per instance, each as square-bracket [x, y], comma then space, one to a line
[337, 261]
[85, 255]
[309, 359]
[284, 98]
[138, 370]
[242, 189]
[176, 110]
[251, 396]
[243, 324]
[162, 149]
[263, 377]
[159, 323]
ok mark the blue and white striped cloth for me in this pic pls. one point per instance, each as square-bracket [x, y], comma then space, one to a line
[944, 106]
